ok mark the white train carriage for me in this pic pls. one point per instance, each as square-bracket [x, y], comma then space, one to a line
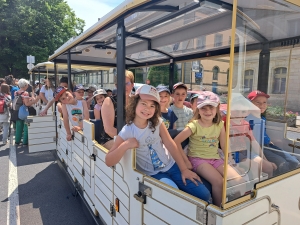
[247, 43]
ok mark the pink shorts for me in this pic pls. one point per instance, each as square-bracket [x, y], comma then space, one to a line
[195, 161]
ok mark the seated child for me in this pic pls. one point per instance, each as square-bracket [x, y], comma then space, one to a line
[78, 91]
[283, 160]
[167, 114]
[156, 152]
[99, 97]
[74, 111]
[183, 113]
[205, 131]
[90, 98]
[193, 101]
[239, 129]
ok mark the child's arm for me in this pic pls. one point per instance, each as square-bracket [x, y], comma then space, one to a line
[49, 104]
[66, 122]
[172, 148]
[97, 114]
[222, 139]
[118, 150]
[178, 140]
[108, 117]
[86, 113]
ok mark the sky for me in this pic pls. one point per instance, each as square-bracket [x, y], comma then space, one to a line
[91, 10]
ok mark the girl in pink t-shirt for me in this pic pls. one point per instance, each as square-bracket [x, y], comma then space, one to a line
[99, 97]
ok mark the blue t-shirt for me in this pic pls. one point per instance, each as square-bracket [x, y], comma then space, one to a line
[169, 118]
[267, 139]
[13, 89]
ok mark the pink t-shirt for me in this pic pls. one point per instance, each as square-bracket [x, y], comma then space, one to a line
[97, 107]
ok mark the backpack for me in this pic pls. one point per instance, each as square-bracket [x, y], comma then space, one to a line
[3, 105]
[17, 102]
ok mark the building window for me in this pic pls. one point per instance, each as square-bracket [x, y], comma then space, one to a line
[294, 27]
[215, 73]
[279, 80]
[201, 42]
[248, 81]
[218, 40]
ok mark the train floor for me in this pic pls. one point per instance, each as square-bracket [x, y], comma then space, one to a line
[34, 190]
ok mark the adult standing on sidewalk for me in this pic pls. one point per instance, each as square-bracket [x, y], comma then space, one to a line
[21, 127]
[5, 116]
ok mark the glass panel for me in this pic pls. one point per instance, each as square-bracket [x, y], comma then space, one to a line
[258, 147]
[197, 14]
[146, 55]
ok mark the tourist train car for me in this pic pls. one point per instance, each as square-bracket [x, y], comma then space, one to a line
[230, 47]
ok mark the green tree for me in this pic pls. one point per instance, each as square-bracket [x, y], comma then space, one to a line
[33, 27]
[160, 75]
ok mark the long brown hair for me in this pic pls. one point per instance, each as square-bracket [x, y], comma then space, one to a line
[217, 119]
[5, 89]
[130, 112]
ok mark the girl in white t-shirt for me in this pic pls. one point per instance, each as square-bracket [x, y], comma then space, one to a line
[155, 149]
[99, 97]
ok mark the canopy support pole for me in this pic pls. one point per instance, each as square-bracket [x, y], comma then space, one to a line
[171, 74]
[121, 74]
[69, 71]
[101, 79]
[39, 75]
[263, 69]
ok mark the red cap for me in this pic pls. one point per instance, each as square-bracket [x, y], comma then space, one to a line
[252, 95]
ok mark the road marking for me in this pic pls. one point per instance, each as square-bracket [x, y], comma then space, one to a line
[13, 213]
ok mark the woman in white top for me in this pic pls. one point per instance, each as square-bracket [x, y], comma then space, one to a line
[46, 93]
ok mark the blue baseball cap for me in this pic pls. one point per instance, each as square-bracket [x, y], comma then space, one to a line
[161, 88]
[78, 87]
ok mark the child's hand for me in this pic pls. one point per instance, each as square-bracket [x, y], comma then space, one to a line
[76, 128]
[132, 143]
[274, 166]
[69, 137]
[187, 174]
[189, 165]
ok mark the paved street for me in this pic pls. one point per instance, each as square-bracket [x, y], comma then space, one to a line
[42, 193]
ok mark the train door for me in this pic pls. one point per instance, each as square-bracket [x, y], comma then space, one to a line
[41, 133]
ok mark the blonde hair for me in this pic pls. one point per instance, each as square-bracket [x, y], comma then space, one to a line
[217, 119]
[129, 75]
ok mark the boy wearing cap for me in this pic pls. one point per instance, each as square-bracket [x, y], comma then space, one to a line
[167, 114]
[90, 98]
[78, 90]
[74, 111]
[284, 161]
[183, 113]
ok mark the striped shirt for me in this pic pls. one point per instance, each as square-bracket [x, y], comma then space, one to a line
[184, 115]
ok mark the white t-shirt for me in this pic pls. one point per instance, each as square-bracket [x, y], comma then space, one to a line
[48, 93]
[75, 113]
[151, 156]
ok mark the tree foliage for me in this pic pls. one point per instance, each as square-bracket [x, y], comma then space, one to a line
[160, 75]
[33, 27]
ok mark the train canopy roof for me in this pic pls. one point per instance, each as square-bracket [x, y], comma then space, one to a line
[45, 67]
[158, 31]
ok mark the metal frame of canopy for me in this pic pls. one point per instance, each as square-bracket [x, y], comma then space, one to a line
[105, 43]
[60, 68]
